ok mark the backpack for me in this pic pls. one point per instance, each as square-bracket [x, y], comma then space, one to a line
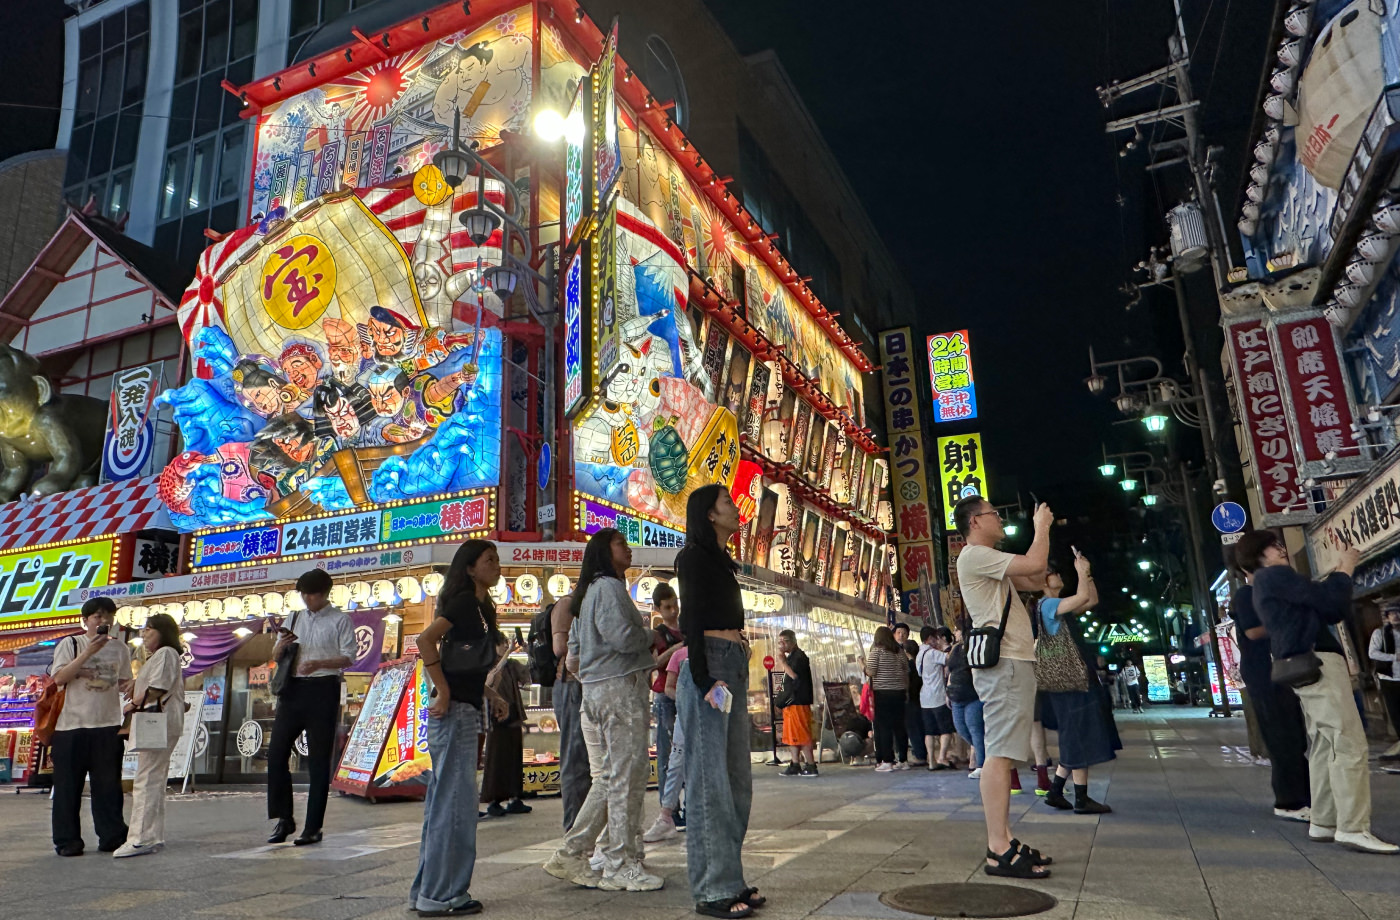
[539, 649]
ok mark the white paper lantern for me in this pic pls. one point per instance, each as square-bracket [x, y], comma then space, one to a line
[360, 592]
[409, 589]
[194, 611]
[646, 586]
[139, 616]
[253, 605]
[174, 611]
[559, 586]
[292, 600]
[500, 592]
[527, 588]
[383, 592]
[272, 603]
[432, 583]
[675, 584]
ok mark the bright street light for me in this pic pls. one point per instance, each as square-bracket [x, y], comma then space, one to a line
[1144, 604]
[1149, 499]
[1125, 590]
[1011, 530]
[1129, 485]
[1108, 469]
[549, 125]
[1144, 564]
[1155, 422]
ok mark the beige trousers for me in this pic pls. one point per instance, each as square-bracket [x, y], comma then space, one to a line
[1337, 770]
[148, 789]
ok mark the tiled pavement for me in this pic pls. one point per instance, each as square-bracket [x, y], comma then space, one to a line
[1191, 836]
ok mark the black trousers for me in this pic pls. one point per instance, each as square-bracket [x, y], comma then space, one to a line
[1280, 718]
[1390, 692]
[95, 755]
[890, 732]
[311, 704]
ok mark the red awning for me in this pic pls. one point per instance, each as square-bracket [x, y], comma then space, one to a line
[113, 508]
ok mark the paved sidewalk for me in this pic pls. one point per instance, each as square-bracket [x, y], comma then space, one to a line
[1192, 836]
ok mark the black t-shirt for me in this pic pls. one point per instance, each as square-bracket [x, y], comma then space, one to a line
[469, 618]
[1255, 662]
[801, 685]
[960, 689]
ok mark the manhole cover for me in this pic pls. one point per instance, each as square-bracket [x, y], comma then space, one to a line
[967, 899]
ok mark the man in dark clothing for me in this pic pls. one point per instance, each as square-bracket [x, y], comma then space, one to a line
[797, 711]
[1276, 710]
[1298, 614]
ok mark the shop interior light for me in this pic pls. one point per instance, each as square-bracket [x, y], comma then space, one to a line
[135, 641]
[242, 632]
[1108, 470]
[558, 586]
[292, 601]
[392, 618]
[432, 583]
[1128, 485]
[549, 125]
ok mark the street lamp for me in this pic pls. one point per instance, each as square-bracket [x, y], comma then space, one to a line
[1144, 564]
[1150, 499]
[1155, 421]
[549, 125]
[1108, 469]
[1129, 485]
[1144, 604]
[1011, 530]
[1125, 590]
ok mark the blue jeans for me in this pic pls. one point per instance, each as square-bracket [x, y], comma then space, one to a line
[719, 777]
[447, 853]
[967, 719]
[574, 776]
[673, 780]
[664, 708]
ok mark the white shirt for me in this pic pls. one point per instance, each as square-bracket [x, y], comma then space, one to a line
[1130, 674]
[162, 670]
[1376, 654]
[934, 692]
[322, 634]
[91, 700]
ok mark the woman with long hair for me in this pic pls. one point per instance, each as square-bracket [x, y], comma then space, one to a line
[447, 853]
[612, 642]
[1083, 720]
[160, 685]
[711, 703]
[888, 671]
[962, 697]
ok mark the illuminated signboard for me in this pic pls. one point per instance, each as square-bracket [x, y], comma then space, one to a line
[607, 152]
[593, 517]
[577, 179]
[36, 582]
[606, 328]
[914, 513]
[961, 470]
[950, 373]
[576, 361]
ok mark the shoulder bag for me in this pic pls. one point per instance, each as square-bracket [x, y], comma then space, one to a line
[1058, 666]
[286, 664]
[150, 728]
[50, 706]
[469, 657]
[1301, 670]
[984, 643]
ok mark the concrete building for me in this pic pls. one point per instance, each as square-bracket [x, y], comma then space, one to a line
[30, 187]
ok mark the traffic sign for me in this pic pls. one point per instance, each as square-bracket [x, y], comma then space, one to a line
[546, 461]
[1228, 517]
[768, 662]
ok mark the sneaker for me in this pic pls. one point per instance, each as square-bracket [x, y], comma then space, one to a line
[563, 866]
[809, 769]
[975, 774]
[517, 807]
[633, 876]
[1366, 842]
[663, 828]
[885, 768]
[495, 810]
[135, 849]
[792, 770]
[679, 818]
[1090, 807]
[1263, 762]
[596, 861]
[1294, 814]
[588, 877]
[1319, 833]
[1016, 782]
[902, 765]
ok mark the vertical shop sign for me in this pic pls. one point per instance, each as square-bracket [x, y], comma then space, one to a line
[1318, 396]
[913, 515]
[131, 430]
[578, 383]
[961, 470]
[606, 347]
[758, 401]
[1265, 419]
[950, 373]
[578, 184]
[607, 150]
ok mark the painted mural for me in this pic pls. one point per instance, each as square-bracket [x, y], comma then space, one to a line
[387, 121]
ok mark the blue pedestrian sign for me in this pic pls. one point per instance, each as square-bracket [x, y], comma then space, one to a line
[1228, 517]
[543, 469]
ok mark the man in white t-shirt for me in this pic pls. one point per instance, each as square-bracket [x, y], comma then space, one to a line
[93, 668]
[989, 579]
[935, 717]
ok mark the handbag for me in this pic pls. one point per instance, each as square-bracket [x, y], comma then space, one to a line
[783, 698]
[50, 706]
[984, 643]
[1058, 666]
[149, 731]
[286, 665]
[469, 657]
[1297, 670]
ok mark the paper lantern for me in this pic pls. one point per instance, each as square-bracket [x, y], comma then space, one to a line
[429, 185]
[675, 584]
[559, 585]
[500, 592]
[360, 592]
[272, 603]
[292, 600]
[194, 611]
[383, 592]
[174, 611]
[646, 586]
[340, 595]
[253, 605]
[432, 583]
[527, 588]
[409, 589]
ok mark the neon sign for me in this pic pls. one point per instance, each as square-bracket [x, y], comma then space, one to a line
[950, 374]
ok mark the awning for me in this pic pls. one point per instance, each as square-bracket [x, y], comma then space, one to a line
[112, 508]
[28, 637]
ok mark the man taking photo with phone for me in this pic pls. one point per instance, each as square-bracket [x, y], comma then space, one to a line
[990, 580]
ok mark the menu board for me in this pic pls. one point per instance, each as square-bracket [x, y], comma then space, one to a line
[405, 761]
[378, 716]
[1159, 688]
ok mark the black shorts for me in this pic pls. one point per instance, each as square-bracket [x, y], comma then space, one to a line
[938, 721]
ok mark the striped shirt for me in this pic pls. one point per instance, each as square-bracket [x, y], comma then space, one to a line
[887, 670]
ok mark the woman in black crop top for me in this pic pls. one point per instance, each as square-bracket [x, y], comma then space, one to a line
[447, 853]
[719, 778]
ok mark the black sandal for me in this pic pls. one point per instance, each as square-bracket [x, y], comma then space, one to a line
[724, 908]
[1016, 862]
[751, 897]
[1036, 856]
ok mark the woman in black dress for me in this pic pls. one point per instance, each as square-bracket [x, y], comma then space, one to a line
[503, 779]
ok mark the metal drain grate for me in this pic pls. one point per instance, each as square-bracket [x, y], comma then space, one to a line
[968, 899]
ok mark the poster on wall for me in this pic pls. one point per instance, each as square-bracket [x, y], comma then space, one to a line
[735, 393]
[1159, 686]
[131, 430]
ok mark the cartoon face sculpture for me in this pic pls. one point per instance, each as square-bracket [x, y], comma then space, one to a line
[429, 186]
[259, 389]
[388, 389]
[388, 335]
[301, 366]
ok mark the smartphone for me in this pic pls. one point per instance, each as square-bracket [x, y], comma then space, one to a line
[104, 629]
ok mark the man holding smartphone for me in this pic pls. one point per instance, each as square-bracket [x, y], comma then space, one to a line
[325, 640]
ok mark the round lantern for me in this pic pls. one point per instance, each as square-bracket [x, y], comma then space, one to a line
[429, 185]
[527, 588]
[432, 583]
[559, 585]
[409, 589]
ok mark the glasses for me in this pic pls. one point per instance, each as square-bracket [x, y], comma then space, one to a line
[985, 513]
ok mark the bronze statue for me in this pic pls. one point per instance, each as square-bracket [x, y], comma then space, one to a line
[39, 426]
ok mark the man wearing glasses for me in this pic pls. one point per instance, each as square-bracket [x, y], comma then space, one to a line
[989, 577]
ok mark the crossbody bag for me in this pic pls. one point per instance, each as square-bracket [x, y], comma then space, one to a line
[984, 643]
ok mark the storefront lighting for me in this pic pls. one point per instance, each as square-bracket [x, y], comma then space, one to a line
[574, 129]
[292, 601]
[392, 618]
[432, 583]
[383, 592]
[188, 637]
[1128, 485]
[194, 611]
[500, 592]
[549, 125]
[340, 595]
[135, 641]
[242, 632]
[1133, 621]
[410, 589]
[558, 586]
[359, 592]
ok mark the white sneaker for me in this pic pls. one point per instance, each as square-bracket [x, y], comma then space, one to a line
[563, 866]
[975, 774]
[596, 861]
[136, 849]
[1317, 832]
[901, 766]
[885, 768]
[633, 876]
[1294, 814]
[1263, 762]
[1366, 842]
[663, 828]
